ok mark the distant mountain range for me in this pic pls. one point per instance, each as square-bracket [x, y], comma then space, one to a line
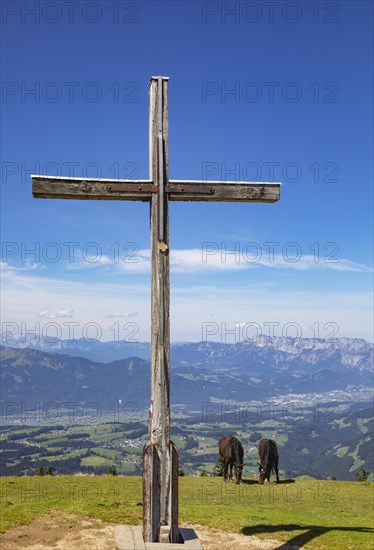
[65, 371]
[95, 350]
[280, 352]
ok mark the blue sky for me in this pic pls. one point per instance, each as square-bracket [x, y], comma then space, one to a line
[256, 92]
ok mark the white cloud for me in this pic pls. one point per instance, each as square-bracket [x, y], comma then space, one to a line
[139, 262]
[213, 256]
[89, 261]
[193, 260]
[308, 262]
[8, 270]
[119, 314]
[217, 258]
[57, 314]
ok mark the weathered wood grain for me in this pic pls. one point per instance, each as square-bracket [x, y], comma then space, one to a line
[216, 191]
[174, 535]
[44, 187]
[151, 492]
[162, 495]
[160, 293]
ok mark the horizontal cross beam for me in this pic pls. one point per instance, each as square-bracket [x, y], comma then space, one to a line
[49, 187]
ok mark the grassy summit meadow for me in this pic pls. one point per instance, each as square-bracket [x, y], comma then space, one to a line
[309, 513]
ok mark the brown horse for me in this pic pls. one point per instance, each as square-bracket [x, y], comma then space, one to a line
[231, 451]
[268, 453]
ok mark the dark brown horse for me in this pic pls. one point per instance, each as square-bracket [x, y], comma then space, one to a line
[268, 453]
[231, 451]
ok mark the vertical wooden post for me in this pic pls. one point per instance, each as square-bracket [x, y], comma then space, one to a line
[160, 521]
[160, 298]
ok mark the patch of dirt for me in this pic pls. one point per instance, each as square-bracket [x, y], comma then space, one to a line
[60, 531]
[214, 539]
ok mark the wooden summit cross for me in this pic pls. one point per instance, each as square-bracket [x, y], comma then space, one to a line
[160, 475]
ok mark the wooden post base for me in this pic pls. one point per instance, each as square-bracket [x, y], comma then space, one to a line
[130, 537]
[160, 481]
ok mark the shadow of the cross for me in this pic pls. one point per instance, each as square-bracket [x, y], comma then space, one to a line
[310, 532]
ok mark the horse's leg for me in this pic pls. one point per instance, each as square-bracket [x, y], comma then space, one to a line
[276, 470]
[231, 464]
[225, 467]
